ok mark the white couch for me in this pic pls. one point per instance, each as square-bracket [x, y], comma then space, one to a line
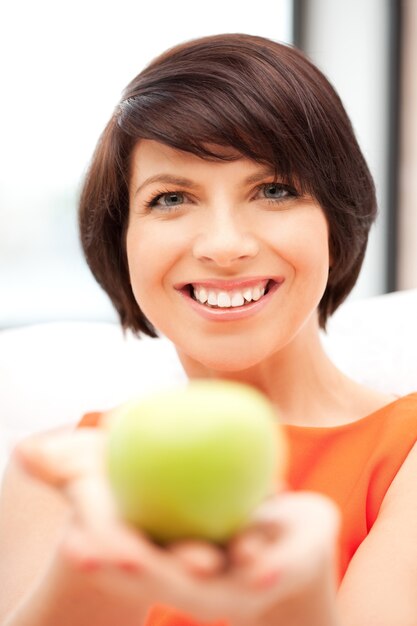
[50, 374]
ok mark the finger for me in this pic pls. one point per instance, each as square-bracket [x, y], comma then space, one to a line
[200, 558]
[85, 552]
[264, 529]
[95, 511]
[73, 463]
[79, 551]
[246, 547]
[306, 528]
[59, 457]
[298, 514]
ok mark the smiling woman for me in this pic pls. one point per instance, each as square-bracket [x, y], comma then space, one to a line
[249, 103]
[227, 207]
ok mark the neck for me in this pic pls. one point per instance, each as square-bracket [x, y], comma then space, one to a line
[300, 380]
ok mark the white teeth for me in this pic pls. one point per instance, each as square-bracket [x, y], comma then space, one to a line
[226, 299]
[223, 300]
[202, 295]
[247, 294]
[237, 299]
[212, 298]
[256, 293]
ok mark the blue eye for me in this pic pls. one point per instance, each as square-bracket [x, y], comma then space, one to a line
[278, 191]
[170, 198]
[273, 192]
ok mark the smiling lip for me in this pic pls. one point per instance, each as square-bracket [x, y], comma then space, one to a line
[229, 285]
[232, 313]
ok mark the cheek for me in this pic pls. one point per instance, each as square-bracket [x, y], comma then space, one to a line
[151, 252]
[138, 250]
[312, 259]
[304, 245]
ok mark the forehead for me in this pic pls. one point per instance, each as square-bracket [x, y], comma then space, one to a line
[155, 152]
[150, 157]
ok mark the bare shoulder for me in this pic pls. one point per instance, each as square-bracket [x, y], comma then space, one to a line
[366, 401]
[31, 520]
[379, 586]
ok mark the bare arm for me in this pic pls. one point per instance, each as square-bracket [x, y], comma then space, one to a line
[32, 517]
[379, 588]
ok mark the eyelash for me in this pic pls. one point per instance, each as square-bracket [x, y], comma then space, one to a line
[150, 204]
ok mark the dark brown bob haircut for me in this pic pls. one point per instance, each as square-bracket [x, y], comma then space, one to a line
[265, 100]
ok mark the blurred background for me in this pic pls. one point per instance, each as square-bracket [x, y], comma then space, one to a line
[64, 66]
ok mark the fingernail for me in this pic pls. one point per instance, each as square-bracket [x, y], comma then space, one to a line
[130, 567]
[268, 579]
[90, 564]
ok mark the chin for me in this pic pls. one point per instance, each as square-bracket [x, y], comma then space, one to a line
[237, 352]
[229, 361]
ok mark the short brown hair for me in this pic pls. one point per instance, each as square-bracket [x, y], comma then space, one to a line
[262, 98]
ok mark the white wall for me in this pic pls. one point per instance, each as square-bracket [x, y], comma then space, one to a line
[65, 65]
[348, 39]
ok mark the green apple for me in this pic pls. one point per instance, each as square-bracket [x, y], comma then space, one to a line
[194, 461]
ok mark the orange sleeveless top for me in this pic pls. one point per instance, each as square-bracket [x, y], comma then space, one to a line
[354, 464]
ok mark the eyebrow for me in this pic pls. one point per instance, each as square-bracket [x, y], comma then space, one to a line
[187, 182]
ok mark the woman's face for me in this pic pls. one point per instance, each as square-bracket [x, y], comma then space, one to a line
[224, 260]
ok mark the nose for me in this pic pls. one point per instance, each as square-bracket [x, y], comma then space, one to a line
[225, 240]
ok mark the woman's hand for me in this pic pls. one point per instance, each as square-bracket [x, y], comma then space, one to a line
[279, 570]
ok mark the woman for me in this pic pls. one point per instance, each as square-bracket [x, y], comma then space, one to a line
[228, 207]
